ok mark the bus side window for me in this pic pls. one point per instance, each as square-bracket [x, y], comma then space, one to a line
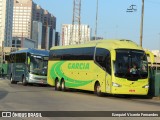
[103, 59]
[108, 63]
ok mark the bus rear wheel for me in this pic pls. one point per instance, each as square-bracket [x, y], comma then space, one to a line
[63, 87]
[57, 85]
[12, 81]
[24, 82]
[97, 89]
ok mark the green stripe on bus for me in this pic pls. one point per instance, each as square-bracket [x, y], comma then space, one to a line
[57, 72]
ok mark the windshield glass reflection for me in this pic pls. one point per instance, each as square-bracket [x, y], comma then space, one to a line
[38, 65]
[131, 64]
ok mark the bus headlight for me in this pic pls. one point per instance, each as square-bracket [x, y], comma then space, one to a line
[115, 84]
[146, 86]
[31, 76]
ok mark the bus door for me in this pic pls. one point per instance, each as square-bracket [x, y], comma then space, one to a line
[20, 66]
[103, 59]
[108, 73]
[11, 70]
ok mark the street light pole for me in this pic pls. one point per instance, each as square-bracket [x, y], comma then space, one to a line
[141, 27]
[96, 21]
[159, 44]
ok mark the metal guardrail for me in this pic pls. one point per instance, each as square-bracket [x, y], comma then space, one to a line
[3, 70]
[157, 83]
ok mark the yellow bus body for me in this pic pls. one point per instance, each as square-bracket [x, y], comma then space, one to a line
[83, 74]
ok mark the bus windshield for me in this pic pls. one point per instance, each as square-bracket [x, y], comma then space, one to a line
[131, 64]
[38, 65]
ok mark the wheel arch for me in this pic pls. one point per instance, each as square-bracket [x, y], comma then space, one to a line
[62, 79]
[96, 82]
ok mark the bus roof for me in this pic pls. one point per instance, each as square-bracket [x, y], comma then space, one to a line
[33, 51]
[107, 43]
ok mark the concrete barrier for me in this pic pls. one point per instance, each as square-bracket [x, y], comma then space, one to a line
[154, 83]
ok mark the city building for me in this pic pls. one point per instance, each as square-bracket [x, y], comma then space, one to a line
[85, 33]
[37, 34]
[57, 39]
[6, 18]
[49, 26]
[22, 18]
[156, 52]
[22, 42]
[96, 38]
[30, 21]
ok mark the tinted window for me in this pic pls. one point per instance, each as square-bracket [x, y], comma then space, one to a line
[12, 58]
[103, 59]
[72, 54]
[18, 58]
[21, 58]
[131, 64]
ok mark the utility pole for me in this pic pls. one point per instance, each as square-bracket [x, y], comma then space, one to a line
[76, 20]
[159, 42]
[141, 27]
[96, 22]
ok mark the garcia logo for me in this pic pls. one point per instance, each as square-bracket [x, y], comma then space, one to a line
[78, 66]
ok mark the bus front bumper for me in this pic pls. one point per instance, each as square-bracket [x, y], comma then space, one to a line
[130, 90]
[37, 79]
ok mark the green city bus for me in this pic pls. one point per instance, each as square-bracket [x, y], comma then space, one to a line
[28, 66]
[102, 66]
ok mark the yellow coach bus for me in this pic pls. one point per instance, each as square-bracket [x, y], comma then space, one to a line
[103, 66]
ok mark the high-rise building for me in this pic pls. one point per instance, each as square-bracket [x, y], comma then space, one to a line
[6, 17]
[85, 32]
[28, 16]
[22, 18]
[37, 33]
[49, 29]
[57, 40]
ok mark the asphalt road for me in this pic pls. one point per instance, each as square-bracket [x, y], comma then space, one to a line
[16, 97]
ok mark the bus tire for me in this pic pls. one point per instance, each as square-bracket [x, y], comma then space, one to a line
[12, 81]
[97, 89]
[57, 85]
[24, 82]
[63, 87]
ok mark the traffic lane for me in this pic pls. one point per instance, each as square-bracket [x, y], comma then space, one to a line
[45, 98]
[48, 92]
[59, 98]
